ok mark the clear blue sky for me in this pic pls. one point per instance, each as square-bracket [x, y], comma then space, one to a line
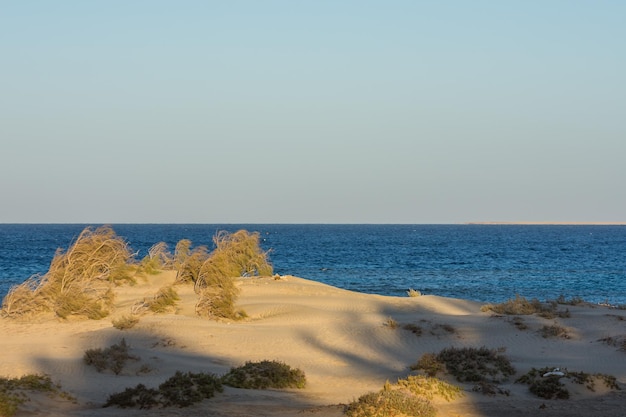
[312, 111]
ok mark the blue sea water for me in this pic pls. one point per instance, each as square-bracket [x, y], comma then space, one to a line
[487, 263]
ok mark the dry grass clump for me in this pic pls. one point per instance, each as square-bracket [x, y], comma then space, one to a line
[520, 306]
[430, 387]
[79, 281]
[164, 300]
[413, 293]
[263, 375]
[554, 330]
[125, 322]
[158, 259]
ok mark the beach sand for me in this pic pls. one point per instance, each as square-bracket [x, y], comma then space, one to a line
[340, 339]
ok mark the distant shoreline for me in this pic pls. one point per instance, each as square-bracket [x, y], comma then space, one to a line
[553, 223]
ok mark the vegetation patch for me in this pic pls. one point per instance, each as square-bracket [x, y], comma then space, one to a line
[79, 281]
[408, 397]
[14, 391]
[113, 358]
[554, 330]
[181, 390]
[390, 403]
[125, 322]
[413, 293]
[468, 364]
[547, 382]
[391, 323]
[520, 306]
[264, 374]
[413, 328]
[164, 300]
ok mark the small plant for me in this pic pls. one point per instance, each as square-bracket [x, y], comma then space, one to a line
[114, 357]
[163, 300]
[429, 363]
[553, 331]
[574, 301]
[181, 390]
[413, 328]
[391, 323]
[390, 403]
[519, 323]
[413, 293]
[125, 322]
[263, 375]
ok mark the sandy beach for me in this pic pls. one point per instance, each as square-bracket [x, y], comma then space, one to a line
[342, 340]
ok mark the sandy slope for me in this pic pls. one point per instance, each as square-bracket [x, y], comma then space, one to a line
[339, 338]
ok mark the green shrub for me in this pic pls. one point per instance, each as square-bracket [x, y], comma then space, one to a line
[429, 363]
[180, 390]
[390, 403]
[264, 374]
[476, 364]
[429, 387]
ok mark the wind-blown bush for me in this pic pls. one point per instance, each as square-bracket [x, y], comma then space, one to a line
[235, 255]
[79, 281]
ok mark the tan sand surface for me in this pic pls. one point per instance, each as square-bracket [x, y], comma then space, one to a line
[338, 338]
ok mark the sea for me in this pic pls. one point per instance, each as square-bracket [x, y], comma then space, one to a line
[485, 263]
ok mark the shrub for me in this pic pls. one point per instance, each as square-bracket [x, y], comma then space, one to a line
[390, 403]
[181, 390]
[79, 281]
[114, 357]
[429, 387]
[158, 258]
[476, 364]
[553, 331]
[264, 374]
[429, 363]
[546, 382]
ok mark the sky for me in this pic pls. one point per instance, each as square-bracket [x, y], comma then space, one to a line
[348, 111]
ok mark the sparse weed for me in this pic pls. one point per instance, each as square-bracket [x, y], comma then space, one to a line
[413, 328]
[114, 357]
[391, 323]
[554, 331]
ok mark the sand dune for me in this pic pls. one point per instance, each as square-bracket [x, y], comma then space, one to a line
[338, 338]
